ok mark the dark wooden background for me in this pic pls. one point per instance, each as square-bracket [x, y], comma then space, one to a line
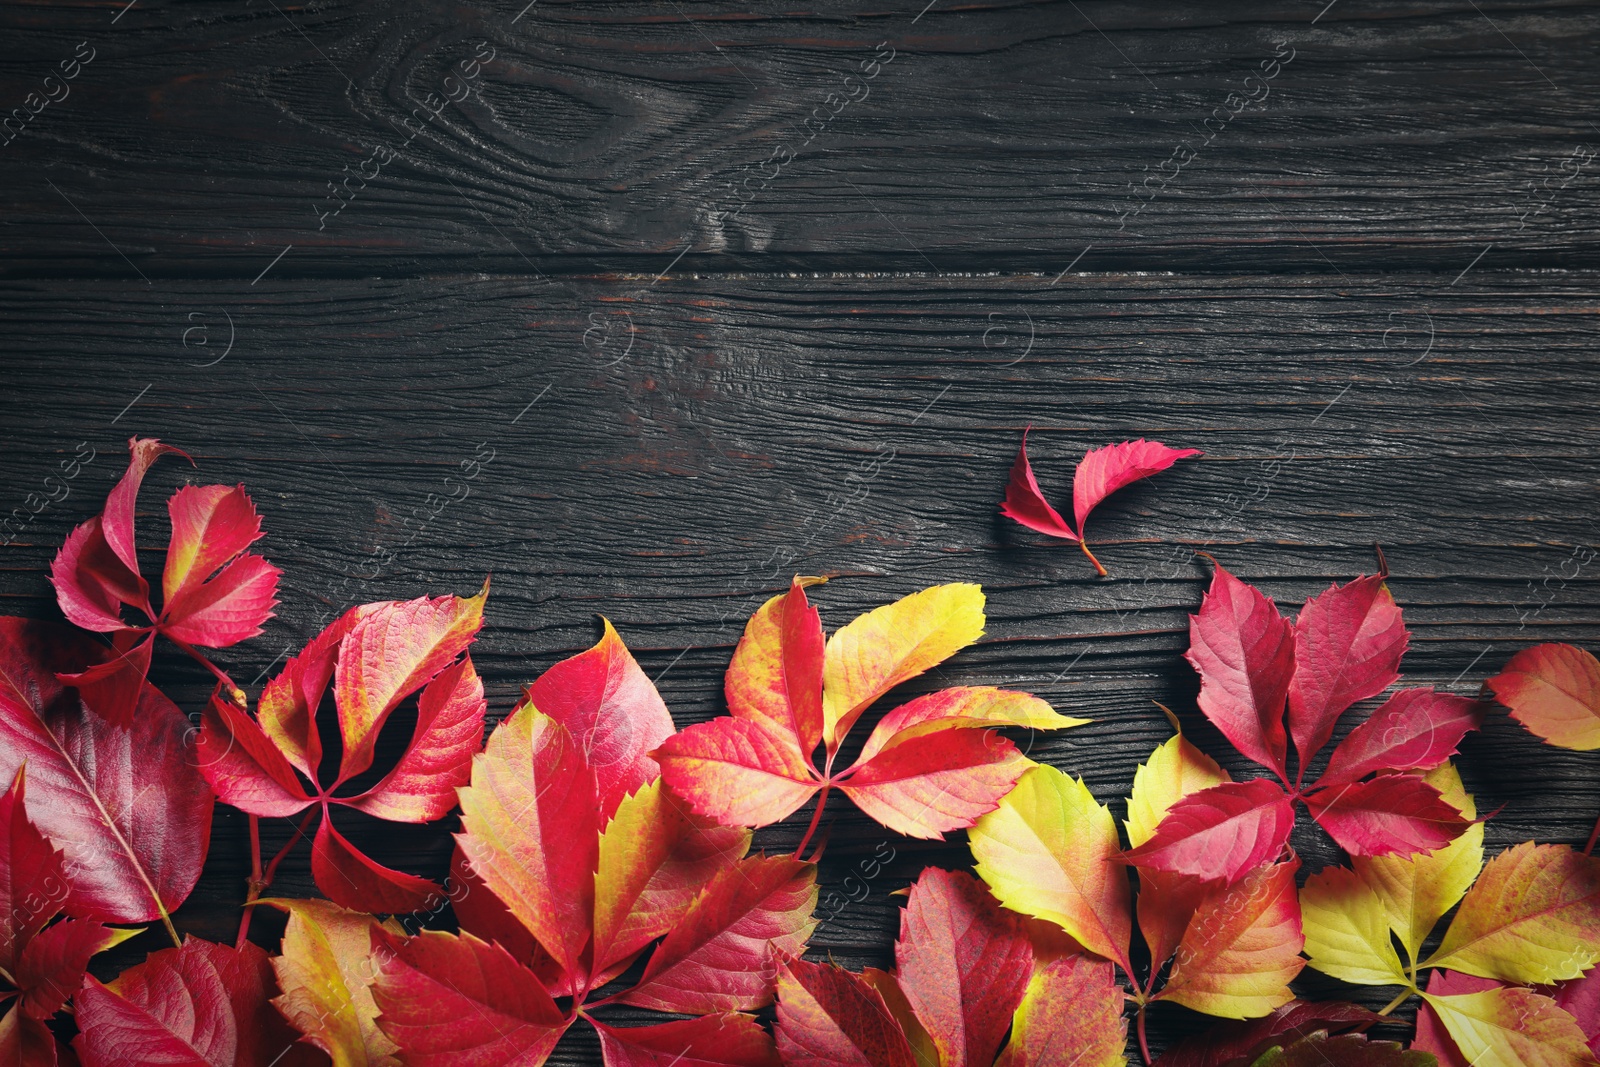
[1370, 298]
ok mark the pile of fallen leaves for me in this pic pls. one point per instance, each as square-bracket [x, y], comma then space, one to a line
[606, 857]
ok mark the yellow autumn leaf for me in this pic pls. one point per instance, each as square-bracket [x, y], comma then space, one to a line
[1051, 852]
[1174, 770]
[326, 975]
[888, 645]
[1347, 929]
[1512, 1028]
[1071, 1015]
[1532, 917]
[1416, 891]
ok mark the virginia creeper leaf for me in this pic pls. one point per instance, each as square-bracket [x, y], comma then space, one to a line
[721, 954]
[1242, 947]
[1102, 471]
[1532, 917]
[33, 884]
[963, 707]
[776, 673]
[1553, 690]
[964, 965]
[1025, 502]
[1348, 642]
[352, 879]
[613, 712]
[1580, 998]
[1345, 1050]
[930, 783]
[287, 711]
[1219, 834]
[531, 830]
[729, 1040]
[243, 766]
[1510, 1027]
[1431, 1035]
[828, 1017]
[1347, 929]
[1071, 1016]
[1051, 852]
[1393, 814]
[1415, 728]
[455, 1001]
[326, 973]
[923, 1049]
[740, 772]
[134, 841]
[25, 1041]
[51, 965]
[891, 644]
[1244, 651]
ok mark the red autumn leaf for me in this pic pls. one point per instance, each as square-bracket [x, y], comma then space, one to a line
[931, 766]
[124, 803]
[1391, 814]
[1220, 833]
[729, 1040]
[1243, 1042]
[1580, 998]
[828, 1017]
[376, 656]
[201, 1004]
[1553, 690]
[27, 1042]
[963, 965]
[1348, 643]
[52, 965]
[1101, 472]
[1414, 729]
[1244, 651]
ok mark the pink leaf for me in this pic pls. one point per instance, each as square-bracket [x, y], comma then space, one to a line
[1244, 651]
[92, 584]
[1026, 504]
[1103, 471]
[227, 609]
[120, 502]
[1415, 728]
[927, 785]
[1348, 644]
[352, 880]
[211, 524]
[242, 765]
[728, 1040]
[1220, 833]
[1397, 814]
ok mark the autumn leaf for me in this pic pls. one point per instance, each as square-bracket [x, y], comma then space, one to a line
[1101, 472]
[1220, 833]
[1345, 1050]
[1239, 1043]
[326, 973]
[1414, 729]
[375, 656]
[727, 1040]
[1553, 690]
[1070, 1016]
[828, 1017]
[27, 1042]
[1347, 929]
[1393, 814]
[199, 1004]
[1499, 1027]
[933, 764]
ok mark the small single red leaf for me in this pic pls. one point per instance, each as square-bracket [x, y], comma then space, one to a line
[740, 772]
[728, 1040]
[1553, 690]
[1103, 471]
[964, 965]
[723, 954]
[1393, 814]
[1348, 643]
[927, 785]
[243, 766]
[1026, 504]
[51, 966]
[352, 880]
[776, 672]
[451, 1001]
[1414, 729]
[828, 1017]
[1221, 833]
[112, 687]
[33, 884]
[612, 710]
[1244, 651]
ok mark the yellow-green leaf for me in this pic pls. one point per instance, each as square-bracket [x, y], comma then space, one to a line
[326, 975]
[1417, 890]
[1512, 1028]
[888, 645]
[1051, 852]
[1533, 917]
[1347, 929]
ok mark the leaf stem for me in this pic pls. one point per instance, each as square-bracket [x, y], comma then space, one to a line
[1144, 1042]
[1405, 995]
[259, 880]
[234, 692]
[1098, 568]
[816, 817]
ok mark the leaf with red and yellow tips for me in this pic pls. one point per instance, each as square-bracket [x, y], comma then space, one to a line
[892, 644]
[1347, 930]
[1431, 1035]
[531, 830]
[1504, 1027]
[287, 710]
[1393, 814]
[1244, 651]
[480, 913]
[1221, 833]
[1071, 1016]
[961, 708]
[654, 859]
[391, 651]
[1414, 729]
[728, 1040]
[740, 772]
[326, 973]
[449, 731]
[353, 880]
[923, 1049]
[1553, 690]
[1347, 646]
[455, 1001]
[930, 783]
[1242, 948]
[720, 955]
[214, 594]
[776, 673]
[1176, 769]
[1051, 852]
[1416, 891]
[33, 884]
[613, 712]
[1532, 917]
[963, 965]
[202, 1005]
[828, 1017]
[25, 1041]
[51, 965]
[134, 841]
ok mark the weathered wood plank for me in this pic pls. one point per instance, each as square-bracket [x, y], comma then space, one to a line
[209, 137]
